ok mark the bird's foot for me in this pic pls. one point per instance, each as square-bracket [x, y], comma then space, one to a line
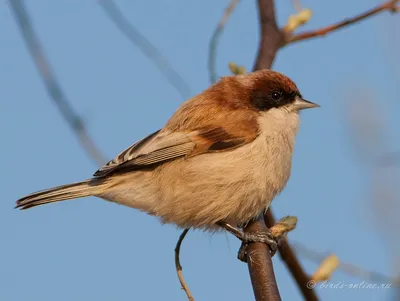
[264, 237]
[246, 238]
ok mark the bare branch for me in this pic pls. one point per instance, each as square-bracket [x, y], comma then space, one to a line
[262, 273]
[260, 265]
[271, 37]
[215, 38]
[178, 265]
[53, 87]
[387, 6]
[292, 262]
[258, 255]
[147, 48]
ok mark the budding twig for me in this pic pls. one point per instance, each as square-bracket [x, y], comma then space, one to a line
[236, 69]
[390, 5]
[346, 268]
[297, 20]
[326, 268]
[283, 226]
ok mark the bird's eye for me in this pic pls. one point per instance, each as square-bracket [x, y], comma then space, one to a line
[276, 95]
[264, 100]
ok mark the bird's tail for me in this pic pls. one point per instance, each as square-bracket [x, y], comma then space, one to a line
[61, 193]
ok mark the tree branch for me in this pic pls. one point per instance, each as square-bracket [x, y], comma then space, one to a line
[389, 5]
[260, 266]
[258, 255]
[215, 38]
[147, 48]
[270, 42]
[53, 87]
[292, 263]
[271, 37]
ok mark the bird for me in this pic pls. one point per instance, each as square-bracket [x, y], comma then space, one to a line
[217, 163]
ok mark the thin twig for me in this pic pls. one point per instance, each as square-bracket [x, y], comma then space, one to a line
[147, 48]
[215, 38]
[178, 265]
[53, 87]
[389, 5]
[346, 268]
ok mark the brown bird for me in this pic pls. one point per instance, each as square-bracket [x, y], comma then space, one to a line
[219, 160]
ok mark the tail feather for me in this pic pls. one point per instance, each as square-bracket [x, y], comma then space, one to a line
[60, 193]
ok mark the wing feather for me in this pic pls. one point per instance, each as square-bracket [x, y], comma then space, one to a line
[164, 154]
[163, 146]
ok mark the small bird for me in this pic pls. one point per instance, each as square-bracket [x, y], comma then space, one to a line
[218, 162]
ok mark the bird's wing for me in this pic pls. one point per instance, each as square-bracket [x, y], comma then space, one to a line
[163, 146]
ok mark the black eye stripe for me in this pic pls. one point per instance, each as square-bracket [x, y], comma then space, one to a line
[265, 100]
[293, 94]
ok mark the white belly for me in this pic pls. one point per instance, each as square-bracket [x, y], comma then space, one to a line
[234, 185]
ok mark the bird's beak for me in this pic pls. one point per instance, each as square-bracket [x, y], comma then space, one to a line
[301, 104]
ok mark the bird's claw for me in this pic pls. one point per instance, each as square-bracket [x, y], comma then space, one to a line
[264, 237]
[246, 238]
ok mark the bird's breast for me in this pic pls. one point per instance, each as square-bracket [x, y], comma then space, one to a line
[234, 185]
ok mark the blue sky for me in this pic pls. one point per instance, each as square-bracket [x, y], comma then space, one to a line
[93, 250]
